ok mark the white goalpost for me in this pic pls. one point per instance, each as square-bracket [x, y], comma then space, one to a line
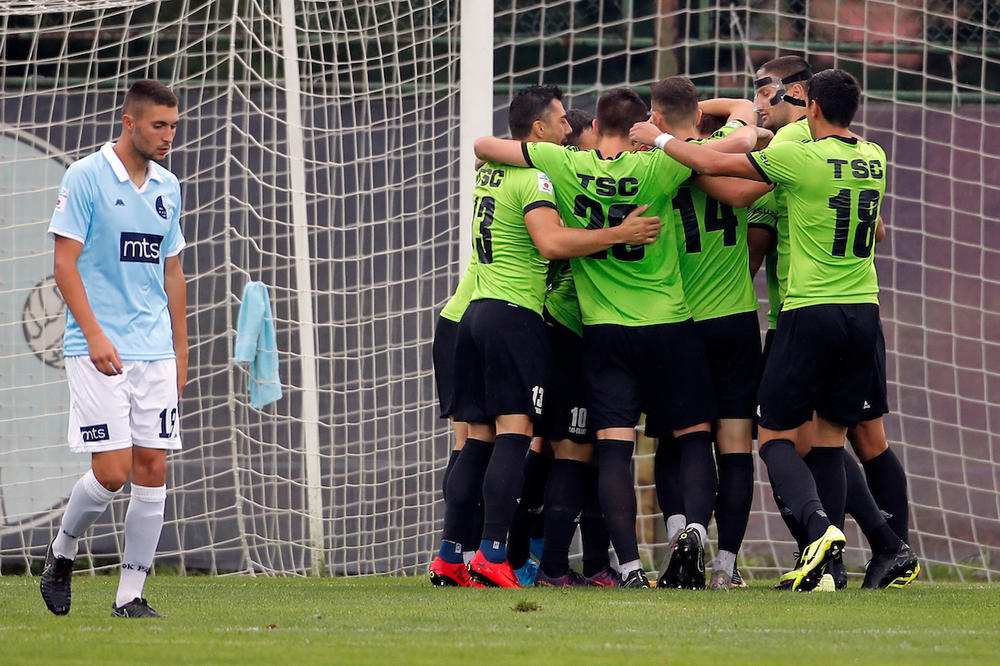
[325, 149]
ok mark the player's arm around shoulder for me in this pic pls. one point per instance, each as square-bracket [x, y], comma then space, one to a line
[555, 241]
[735, 192]
[504, 151]
[699, 158]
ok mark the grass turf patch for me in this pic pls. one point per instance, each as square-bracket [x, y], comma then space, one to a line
[404, 620]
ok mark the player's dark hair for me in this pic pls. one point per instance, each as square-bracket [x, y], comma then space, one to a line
[529, 104]
[618, 110]
[786, 66]
[147, 91]
[578, 121]
[676, 99]
[708, 124]
[838, 95]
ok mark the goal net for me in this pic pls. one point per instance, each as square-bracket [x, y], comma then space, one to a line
[930, 73]
[319, 153]
[316, 154]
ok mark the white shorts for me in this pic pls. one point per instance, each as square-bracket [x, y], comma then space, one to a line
[138, 407]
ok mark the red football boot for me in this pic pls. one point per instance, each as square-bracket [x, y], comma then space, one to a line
[490, 574]
[446, 574]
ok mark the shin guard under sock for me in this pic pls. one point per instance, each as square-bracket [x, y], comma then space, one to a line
[698, 482]
[616, 489]
[732, 509]
[563, 502]
[793, 483]
[502, 485]
[887, 482]
[827, 466]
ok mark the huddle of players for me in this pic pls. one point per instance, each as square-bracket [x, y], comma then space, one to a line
[658, 320]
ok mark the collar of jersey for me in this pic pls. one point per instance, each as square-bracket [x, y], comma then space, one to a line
[602, 157]
[119, 168]
[846, 139]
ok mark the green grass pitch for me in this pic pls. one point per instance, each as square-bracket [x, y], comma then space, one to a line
[243, 620]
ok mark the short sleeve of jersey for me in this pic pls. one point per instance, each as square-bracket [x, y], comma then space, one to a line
[726, 130]
[537, 192]
[545, 156]
[764, 213]
[74, 206]
[781, 163]
[174, 242]
[670, 173]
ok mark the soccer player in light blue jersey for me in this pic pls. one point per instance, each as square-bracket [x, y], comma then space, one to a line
[117, 234]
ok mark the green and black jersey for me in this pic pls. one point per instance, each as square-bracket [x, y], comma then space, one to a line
[770, 211]
[560, 299]
[714, 257]
[624, 285]
[510, 267]
[459, 301]
[832, 190]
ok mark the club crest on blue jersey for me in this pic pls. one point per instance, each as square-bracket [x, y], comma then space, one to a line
[161, 208]
[144, 248]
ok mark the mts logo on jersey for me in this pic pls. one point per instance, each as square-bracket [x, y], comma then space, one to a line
[144, 248]
[95, 433]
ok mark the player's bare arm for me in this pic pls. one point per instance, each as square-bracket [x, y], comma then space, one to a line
[176, 287]
[759, 242]
[764, 137]
[735, 192]
[699, 158]
[504, 151]
[730, 108]
[880, 231]
[555, 241]
[102, 351]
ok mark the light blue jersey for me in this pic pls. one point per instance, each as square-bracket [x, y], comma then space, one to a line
[127, 232]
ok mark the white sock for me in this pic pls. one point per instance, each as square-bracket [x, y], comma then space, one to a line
[702, 532]
[143, 521]
[629, 567]
[87, 502]
[468, 555]
[675, 524]
[725, 561]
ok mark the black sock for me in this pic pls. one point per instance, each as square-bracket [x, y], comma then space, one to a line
[464, 490]
[536, 469]
[865, 512]
[698, 482]
[827, 466]
[593, 534]
[617, 492]
[797, 531]
[794, 484]
[474, 527]
[502, 485]
[666, 472]
[887, 482]
[563, 502]
[732, 510]
[447, 471]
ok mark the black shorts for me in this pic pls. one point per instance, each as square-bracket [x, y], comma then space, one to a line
[877, 399]
[443, 353]
[501, 362]
[660, 370]
[821, 359]
[768, 341]
[732, 344]
[565, 414]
